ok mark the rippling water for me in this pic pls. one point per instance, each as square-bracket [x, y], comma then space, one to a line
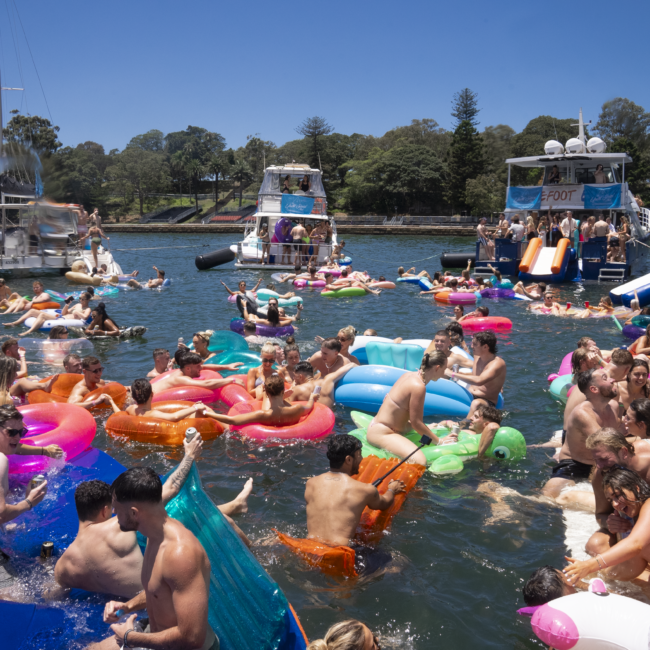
[462, 567]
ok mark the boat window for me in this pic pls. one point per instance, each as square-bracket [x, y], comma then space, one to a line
[588, 175]
[550, 177]
[274, 183]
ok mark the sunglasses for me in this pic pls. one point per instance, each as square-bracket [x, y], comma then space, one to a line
[96, 370]
[12, 433]
[268, 360]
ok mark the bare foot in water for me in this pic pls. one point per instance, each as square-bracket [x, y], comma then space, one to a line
[9, 324]
[240, 502]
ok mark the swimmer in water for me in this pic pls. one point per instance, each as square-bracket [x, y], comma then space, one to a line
[152, 283]
[200, 341]
[257, 376]
[162, 362]
[292, 358]
[304, 383]
[102, 324]
[403, 410]
[92, 370]
[11, 349]
[72, 364]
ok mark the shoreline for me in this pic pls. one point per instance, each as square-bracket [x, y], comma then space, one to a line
[433, 231]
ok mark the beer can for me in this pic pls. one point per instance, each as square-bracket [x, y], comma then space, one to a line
[46, 549]
[190, 433]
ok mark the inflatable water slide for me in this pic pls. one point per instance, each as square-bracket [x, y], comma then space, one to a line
[548, 264]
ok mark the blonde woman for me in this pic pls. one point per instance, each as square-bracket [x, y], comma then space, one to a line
[348, 635]
[13, 391]
[531, 230]
[257, 376]
[346, 339]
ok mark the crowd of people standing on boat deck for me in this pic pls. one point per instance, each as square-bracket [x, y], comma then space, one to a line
[552, 227]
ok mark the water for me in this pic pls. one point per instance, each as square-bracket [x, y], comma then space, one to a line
[462, 567]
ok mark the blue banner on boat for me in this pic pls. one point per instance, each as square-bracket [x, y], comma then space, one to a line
[602, 198]
[524, 198]
[292, 204]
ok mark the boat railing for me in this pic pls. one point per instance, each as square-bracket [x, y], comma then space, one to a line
[644, 219]
[282, 250]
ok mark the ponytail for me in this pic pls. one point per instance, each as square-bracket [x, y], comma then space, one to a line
[429, 360]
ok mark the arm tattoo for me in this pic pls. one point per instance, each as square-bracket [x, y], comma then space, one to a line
[182, 472]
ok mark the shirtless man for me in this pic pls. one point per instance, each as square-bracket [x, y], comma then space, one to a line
[22, 304]
[601, 228]
[304, 383]
[104, 558]
[297, 233]
[483, 236]
[488, 373]
[6, 294]
[11, 349]
[485, 422]
[329, 358]
[92, 370]
[599, 410]
[534, 291]
[72, 364]
[190, 365]
[275, 410]
[151, 283]
[442, 343]
[342, 283]
[335, 501]
[162, 362]
[175, 573]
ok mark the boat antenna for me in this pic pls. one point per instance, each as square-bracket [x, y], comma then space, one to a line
[1, 89]
[319, 163]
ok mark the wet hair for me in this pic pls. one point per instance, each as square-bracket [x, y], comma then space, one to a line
[189, 359]
[577, 358]
[339, 447]
[582, 342]
[162, 273]
[100, 310]
[544, 585]
[141, 391]
[274, 385]
[455, 328]
[273, 315]
[332, 343]
[70, 357]
[622, 357]
[290, 340]
[610, 438]
[89, 361]
[291, 348]
[349, 332]
[483, 310]
[7, 344]
[179, 354]
[304, 368]
[431, 359]
[619, 478]
[249, 326]
[461, 308]
[9, 412]
[400, 270]
[490, 413]
[138, 485]
[347, 635]
[268, 348]
[640, 363]
[57, 331]
[641, 410]
[90, 497]
[488, 337]
[584, 380]
[90, 291]
[159, 352]
[204, 336]
[444, 333]
[607, 300]
[344, 273]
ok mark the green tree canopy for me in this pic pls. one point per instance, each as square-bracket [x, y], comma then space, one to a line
[485, 194]
[465, 107]
[313, 129]
[498, 147]
[153, 140]
[466, 161]
[637, 174]
[426, 132]
[32, 131]
[622, 118]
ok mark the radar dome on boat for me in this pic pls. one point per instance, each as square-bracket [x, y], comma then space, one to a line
[573, 145]
[553, 148]
[596, 145]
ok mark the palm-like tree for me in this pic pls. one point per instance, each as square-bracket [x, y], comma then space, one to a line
[241, 172]
[217, 164]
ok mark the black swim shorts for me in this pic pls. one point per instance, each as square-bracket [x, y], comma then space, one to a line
[368, 560]
[571, 469]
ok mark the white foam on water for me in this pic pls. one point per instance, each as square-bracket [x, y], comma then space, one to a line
[580, 525]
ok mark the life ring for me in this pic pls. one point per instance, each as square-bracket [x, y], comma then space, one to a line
[633, 332]
[411, 279]
[334, 272]
[55, 350]
[457, 298]
[384, 284]
[83, 278]
[67, 425]
[345, 292]
[63, 386]
[40, 306]
[561, 387]
[641, 320]
[188, 393]
[49, 324]
[318, 423]
[303, 282]
[345, 261]
[161, 432]
[496, 323]
[237, 325]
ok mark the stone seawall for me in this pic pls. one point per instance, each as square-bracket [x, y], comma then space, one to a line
[433, 231]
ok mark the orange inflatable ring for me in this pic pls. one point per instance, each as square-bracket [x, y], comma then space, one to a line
[67, 381]
[317, 423]
[46, 305]
[161, 432]
[340, 560]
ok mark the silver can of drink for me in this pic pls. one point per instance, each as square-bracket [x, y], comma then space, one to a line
[36, 481]
[46, 550]
[455, 367]
[190, 433]
[455, 429]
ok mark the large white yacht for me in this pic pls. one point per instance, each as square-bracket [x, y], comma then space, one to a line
[289, 194]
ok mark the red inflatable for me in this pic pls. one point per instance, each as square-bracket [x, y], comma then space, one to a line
[496, 323]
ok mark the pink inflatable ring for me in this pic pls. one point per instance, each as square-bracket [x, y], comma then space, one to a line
[457, 298]
[495, 323]
[67, 425]
[302, 282]
[316, 424]
[190, 393]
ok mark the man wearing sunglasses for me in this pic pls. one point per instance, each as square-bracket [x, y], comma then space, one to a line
[11, 431]
[92, 370]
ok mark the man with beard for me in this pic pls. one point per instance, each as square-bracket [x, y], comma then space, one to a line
[600, 409]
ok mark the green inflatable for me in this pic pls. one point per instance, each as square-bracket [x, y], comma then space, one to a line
[346, 291]
[445, 460]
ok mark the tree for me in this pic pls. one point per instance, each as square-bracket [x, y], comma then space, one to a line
[153, 140]
[217, 164]
[465, 107]
[241, 172]
[426, 132]
[314, 128]
[32, 132]
[622, 118]
[485, 194]
[498, 147]
[637, 174]
[466, 161]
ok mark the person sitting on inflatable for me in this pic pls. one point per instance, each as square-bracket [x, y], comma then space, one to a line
[21, 304]
[335, 503]
[479, 312]
[257, 376]
[105, 559]
[244, 296]
[72, 364]
[92, 370]
[343, 282]
[533, 291]
[12, 390]
[273, 318]
[102, 324]
[200, 341]
[151, 283]
[80, 311]
[485, 422]
[292, 358]
[411, 273]
[6, 294]
[305, 383]
[629, 495]
[190, 365]
[329, 359]
[456, 336]
[162, 362]
[442, 343]
[403, 410]
[11, 430]
[346, 338]
[275, 411]
[11, 349]
[549, 306]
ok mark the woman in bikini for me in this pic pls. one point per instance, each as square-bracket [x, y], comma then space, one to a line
[273, 317]
[95, 233]
[102, 324]
[403, 410]
[13, 391]
[636, 385]
[637, 418]
[257, 376]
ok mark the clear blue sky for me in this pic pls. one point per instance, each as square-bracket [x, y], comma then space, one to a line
[112, 70]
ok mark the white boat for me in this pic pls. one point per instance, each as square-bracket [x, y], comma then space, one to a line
[276, 206]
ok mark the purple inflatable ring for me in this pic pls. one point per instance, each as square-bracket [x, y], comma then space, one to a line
[497, 293]
[278, 230]
[237, 325]
[633, 332]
